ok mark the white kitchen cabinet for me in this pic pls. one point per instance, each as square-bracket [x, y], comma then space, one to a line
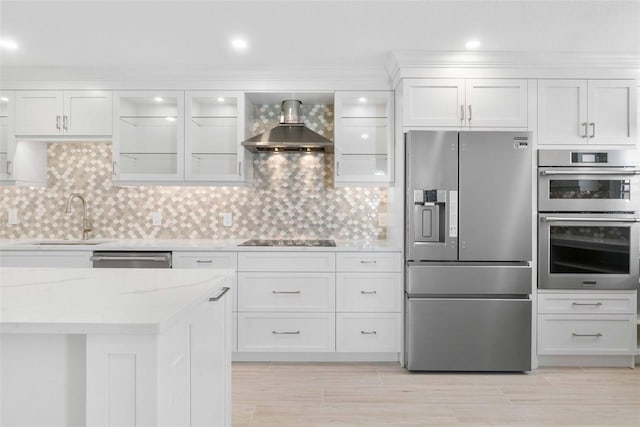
[578, 324]
[286, 301]
[286, 292]
[21, 162]
[368, 302]
[214, 132]
[465, 103]
[63, 113]
[7, 137]
[363, 137]
[587, 111]
[214, 259]
[368, 332]
[40, 259]
[148, 137]
[286, 332]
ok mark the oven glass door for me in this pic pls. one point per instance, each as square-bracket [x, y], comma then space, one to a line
[567, 190]
[577, 252]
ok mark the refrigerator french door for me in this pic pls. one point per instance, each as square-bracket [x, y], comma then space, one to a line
[468, 249]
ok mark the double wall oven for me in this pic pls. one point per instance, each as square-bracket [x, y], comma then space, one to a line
[588, 219]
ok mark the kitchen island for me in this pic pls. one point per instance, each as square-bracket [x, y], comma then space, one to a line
[115, 347]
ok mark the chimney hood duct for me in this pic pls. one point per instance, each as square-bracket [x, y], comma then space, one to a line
[290, 135]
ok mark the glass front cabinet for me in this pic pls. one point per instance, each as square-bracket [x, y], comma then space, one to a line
[148, 136]
[213, 133]
[363, 137]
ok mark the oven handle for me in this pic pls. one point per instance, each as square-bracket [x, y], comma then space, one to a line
[594, 172]
[590, 219]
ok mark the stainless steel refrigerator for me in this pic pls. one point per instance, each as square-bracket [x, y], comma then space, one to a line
[468, 218]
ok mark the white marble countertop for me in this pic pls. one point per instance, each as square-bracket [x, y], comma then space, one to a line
[81, 301]
[193, 245]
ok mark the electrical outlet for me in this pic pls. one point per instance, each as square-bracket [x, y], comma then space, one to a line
[227, 219]
[156, 218]
[383, 219]
[13, 216]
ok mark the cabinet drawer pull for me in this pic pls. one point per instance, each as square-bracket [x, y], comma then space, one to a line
[584, 135]
[115, 168]
[285, 332]
[58, 122]
[368, 292]
[593, 130]
[223, 291]
[285, 292]
[470, 112]
[598, 335]
[9, 170]
[462, 113]
[595, 304]
[367, 262]
[65, 122]
[204, 261]
[368, 332]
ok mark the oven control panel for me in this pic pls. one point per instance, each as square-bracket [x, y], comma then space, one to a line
[581, 157]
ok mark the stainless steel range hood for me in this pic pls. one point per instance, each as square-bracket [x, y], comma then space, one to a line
[290, 135]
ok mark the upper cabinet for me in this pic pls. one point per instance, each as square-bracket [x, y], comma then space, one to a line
[148, 136]
[363, 137]
[214, 131]
[586, 111]
[21, 162]
[7, 139]
[465, 103]
[52, 113]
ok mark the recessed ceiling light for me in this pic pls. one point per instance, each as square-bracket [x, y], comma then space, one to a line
[472, 44]
[220, 99]
[364, 136]
[8, 44]
[239, 44]
[4, 99]
[363, 99]
[170, 119]
[157, 99]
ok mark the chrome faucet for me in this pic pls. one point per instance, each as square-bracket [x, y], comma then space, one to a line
[86, 222]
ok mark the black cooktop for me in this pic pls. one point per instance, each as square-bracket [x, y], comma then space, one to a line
[288, 242]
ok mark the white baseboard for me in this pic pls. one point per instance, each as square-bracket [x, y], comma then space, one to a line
[314, 357]
[587, 361]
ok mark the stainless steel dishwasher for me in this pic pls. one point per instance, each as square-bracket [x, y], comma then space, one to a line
[126, 259]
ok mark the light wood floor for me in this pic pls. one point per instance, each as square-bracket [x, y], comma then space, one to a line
[288, 394]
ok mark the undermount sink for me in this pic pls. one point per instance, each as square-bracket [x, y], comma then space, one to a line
[68, 242]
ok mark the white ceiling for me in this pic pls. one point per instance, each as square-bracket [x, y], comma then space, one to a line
[104, 37]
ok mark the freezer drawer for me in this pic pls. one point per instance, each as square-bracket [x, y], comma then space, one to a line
[468, 279]
[460, 334]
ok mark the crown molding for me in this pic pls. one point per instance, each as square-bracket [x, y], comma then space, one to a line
[410, 63]
[197, 78]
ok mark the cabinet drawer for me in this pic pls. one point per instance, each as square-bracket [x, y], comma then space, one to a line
[286, 261]
[286, 332]
[592, 303]
[581, 335]
[368, 292]
[368, 332]
[368, 261]
[292, 292]
[205, 260]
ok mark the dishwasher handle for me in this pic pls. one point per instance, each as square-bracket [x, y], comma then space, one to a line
[129, 258]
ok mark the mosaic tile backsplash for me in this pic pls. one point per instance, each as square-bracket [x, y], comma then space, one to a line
[291, 196]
